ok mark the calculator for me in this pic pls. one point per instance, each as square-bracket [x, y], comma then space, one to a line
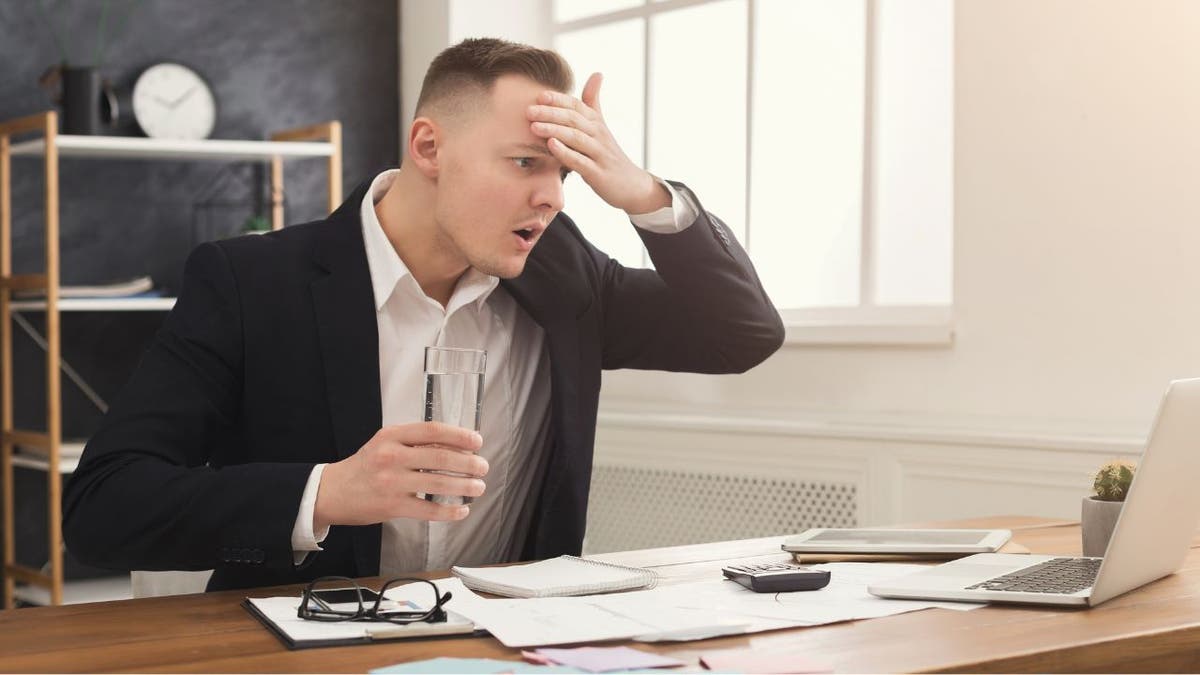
[780, 577]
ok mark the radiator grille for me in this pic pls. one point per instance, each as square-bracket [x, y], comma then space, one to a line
[633, 508]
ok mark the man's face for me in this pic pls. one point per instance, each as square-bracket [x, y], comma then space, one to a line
[498, 186]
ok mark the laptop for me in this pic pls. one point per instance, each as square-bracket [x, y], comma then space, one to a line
[1150, 540]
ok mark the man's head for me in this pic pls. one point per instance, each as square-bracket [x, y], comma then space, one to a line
[495, 186]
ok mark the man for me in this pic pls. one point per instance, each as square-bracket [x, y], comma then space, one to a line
[272, 431]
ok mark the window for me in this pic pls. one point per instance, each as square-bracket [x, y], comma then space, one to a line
[819, 130]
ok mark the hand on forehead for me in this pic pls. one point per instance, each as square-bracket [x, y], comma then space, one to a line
[579, 139]
[588, 104]
[578, 116]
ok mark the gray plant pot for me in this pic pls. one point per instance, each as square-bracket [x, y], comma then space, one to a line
[1097, 521]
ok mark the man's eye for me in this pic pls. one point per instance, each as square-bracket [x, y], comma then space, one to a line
[524, 162]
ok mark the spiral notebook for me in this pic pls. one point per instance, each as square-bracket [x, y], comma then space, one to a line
[564, 575]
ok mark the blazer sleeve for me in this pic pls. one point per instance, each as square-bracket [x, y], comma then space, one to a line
[702, 309]
[145, 495]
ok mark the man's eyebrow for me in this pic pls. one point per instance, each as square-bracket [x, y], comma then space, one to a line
[534, 148]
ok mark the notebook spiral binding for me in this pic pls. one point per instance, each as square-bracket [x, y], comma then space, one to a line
[650, 575]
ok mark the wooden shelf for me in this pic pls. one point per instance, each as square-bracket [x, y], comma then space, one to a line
[131, 147]
[80, 591]
[98, 305]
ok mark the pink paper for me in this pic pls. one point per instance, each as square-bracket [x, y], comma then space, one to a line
[762, 662]
[604, 659]
[534, 657]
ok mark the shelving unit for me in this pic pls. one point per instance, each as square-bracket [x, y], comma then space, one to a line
[316, 141]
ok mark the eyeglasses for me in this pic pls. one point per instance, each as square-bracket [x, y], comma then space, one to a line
[351, 602]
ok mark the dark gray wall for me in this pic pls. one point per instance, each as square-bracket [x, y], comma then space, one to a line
[272, 64]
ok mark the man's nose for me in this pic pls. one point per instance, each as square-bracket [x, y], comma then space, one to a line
[549, 194]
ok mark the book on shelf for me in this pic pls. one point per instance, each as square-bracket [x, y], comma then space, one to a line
[66, 449]
[136, 287]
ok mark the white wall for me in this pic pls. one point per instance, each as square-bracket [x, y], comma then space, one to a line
[1077, 288]
[1077, 237]
[429, 26]
[424, 31]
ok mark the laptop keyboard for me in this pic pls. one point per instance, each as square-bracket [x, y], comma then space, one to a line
[1060, 575]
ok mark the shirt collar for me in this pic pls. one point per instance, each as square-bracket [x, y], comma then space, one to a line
[388, 270]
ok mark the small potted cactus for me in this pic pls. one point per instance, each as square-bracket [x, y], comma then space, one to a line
[1100, 511]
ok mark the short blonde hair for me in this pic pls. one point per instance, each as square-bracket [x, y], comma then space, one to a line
[471, 67]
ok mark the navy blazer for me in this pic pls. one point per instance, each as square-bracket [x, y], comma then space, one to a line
[268, 365]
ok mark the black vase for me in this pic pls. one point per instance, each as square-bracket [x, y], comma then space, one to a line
[88, 104]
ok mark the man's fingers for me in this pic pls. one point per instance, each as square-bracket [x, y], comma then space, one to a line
[563, 116]
[428, 433]
[444, 459]
[441, 484]
[591, 91]
[571, 137]
[573, 160]
[426, 510]
[551, 97]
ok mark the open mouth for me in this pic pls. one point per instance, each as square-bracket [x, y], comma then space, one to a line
[526, 233]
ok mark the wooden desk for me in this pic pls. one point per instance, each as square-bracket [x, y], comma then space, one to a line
[1155, 628]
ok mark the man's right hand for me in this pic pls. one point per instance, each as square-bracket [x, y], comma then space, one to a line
[380, 481]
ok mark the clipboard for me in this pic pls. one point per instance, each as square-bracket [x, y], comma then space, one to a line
[272, 612]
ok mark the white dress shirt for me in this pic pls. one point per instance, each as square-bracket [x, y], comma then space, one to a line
[515, 419]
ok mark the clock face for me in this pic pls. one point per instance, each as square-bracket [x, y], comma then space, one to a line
[172, 101]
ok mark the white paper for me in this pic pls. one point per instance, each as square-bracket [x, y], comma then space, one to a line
[527, 622]
[844, 599]
[282, 612]
[686, 611]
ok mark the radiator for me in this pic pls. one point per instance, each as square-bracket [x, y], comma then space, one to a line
[635, 507]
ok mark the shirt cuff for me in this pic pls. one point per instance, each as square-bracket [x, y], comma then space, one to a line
[669, 219]
[304, 540]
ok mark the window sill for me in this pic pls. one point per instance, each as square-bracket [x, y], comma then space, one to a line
[869, 327]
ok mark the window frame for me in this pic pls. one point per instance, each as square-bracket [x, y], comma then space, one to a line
[867, 323]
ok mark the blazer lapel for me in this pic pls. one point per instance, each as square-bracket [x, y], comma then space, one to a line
[344, 310]
[555, 298]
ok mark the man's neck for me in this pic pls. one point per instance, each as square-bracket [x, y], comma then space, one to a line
[406, 215]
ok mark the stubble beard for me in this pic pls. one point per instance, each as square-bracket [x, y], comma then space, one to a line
[484, 262]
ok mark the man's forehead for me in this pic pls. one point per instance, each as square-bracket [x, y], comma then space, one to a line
[526, 147]
[516, 90]
[508, 123]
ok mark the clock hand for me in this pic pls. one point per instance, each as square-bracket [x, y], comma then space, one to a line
[186, 94]
[162, 100]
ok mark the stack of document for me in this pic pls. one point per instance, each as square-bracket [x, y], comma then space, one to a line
[685, 611]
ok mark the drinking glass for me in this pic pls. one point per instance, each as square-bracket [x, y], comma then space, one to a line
[453, 395]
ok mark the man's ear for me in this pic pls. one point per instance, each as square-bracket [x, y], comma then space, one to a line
[424, 139]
